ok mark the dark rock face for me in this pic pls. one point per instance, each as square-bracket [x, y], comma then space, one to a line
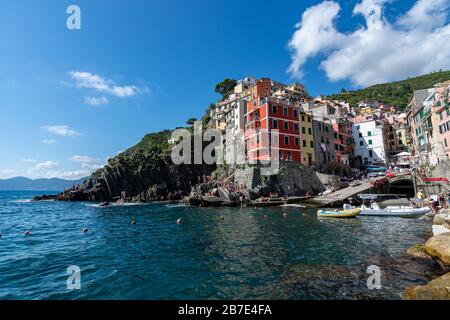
[143, 178]
[45, 198]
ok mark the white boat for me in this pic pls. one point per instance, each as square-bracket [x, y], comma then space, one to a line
[391, 211]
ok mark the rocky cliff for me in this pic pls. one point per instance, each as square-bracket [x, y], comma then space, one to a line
[145, 172]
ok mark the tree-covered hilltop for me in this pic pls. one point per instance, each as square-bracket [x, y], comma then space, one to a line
[396, 93]
[152, 143]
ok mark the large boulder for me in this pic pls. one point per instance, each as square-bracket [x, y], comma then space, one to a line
[439, 247]
[437, 289]
[438, 230]
[442, 219]
[418, 252]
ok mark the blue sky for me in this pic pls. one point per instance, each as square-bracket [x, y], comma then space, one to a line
[150, 65]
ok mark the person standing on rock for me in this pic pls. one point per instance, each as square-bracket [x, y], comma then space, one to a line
[420, 198]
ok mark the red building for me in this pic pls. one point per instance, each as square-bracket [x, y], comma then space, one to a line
[272, 125]
[343, 140]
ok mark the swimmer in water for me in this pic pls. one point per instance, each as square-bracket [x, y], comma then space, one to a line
[85, 230]
[179, 221]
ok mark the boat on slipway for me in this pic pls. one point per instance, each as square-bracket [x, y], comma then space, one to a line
[373, 209]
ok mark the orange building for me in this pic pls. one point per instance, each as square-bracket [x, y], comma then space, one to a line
[272, 125]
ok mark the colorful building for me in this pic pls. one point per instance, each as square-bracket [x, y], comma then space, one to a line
[307, 137]
[272, 125]
[323, 142]
[343, 139]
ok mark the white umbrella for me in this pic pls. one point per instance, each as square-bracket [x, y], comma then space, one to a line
[403, 154]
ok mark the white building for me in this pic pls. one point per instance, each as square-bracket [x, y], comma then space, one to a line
[370, 143]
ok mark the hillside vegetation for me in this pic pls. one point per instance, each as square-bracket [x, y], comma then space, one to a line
[396, 93]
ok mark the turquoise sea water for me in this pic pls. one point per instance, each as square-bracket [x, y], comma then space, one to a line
[272, 257]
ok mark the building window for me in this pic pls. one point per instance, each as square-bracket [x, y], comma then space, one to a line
[361, 143]
[295, 113]
[303, 130]
[309, 119]
[445, 142]
[309, 131]
[370, 153]
[296, 127]
[274, 109]
[311, 144]
[275, 124]
[370, 142]
[304, 143]
[286, 125]
[297, 141]
[369, 133]
[358, 127]
[303, 118]
[285, 111]
[286, 140]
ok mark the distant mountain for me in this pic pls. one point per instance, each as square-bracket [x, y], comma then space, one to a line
[22, 183]
[396, 93]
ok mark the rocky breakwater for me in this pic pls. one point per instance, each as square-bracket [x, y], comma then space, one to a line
[246, 184]
[437, 248]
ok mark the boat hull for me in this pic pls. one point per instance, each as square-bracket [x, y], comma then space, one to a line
[402, 213]
[339, 214]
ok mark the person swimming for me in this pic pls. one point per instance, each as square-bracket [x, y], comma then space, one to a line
[85, 230]
[179, 221]
[27, 233]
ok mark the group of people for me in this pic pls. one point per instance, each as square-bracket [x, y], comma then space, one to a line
[435, 201]
[228, 185]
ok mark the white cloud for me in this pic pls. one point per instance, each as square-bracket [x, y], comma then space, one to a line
[96, 82]
[71, 175]
[61, 130]
[45, 165]
[83, 159]
[96, 101]
[49, 141]
[381, 51]
[28, 160]
[88, 163]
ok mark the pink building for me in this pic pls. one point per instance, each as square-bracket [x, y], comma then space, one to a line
[442, 109]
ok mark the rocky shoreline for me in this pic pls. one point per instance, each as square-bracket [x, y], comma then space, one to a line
[438, 249]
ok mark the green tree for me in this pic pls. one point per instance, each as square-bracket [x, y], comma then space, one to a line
[226, 87]
[191, 121]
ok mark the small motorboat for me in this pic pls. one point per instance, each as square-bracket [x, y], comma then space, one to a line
[394, 211]
[373, 209]
[351, 213]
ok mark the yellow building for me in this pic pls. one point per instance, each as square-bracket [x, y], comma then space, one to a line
[306, 133]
